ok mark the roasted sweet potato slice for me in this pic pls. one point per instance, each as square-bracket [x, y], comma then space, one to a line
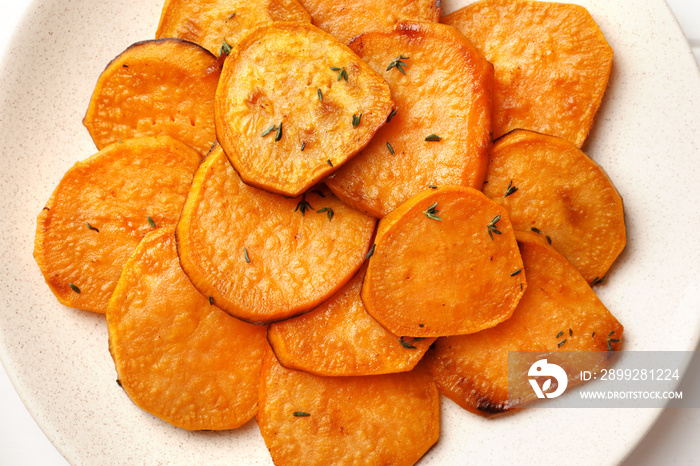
[551, 62]
[559, 312]
[346, 19]
[177, 356]
[339, 338]
[263, 257]
[293, 104]
[444, 263]
[211, 22]
[102, 208]
[402, 159]
[379, 419]
[156, 87]
[548, 185]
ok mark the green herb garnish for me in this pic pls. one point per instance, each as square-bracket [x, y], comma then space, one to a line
[391, 115]
[74, 288]
[326, 209]
[433, 138]
[225, 47]
[371, 252]
[561, 343]
[516, 272]
[303, 206]
[342, 74]
[398, 64]
[91, 227]
[320, 95]
[268, 130]
[406, 344]
[391, 149]
[431, 213]
[301, 414]
[245, 255]
[278, 135]
[559, 334]
[492, 228]
[356, 120]
[151, 222]
[511, 189]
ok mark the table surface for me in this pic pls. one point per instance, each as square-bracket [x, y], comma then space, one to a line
[672, 440]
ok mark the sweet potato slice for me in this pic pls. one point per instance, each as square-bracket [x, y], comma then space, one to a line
[444, 263]
[547, 184]
[156, 87]
[559, 312]
[551, 62]
[102, 208]
[293, 104]
[379, 419]
[346, 19]
[211, 22]
[263, 257]
[177, 356]
[402, 160]
[339, 338]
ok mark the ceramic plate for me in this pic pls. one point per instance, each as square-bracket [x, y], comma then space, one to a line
[646, 137]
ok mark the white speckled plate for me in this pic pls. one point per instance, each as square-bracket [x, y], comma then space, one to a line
[646, 136]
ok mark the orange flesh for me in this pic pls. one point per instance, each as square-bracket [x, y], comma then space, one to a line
[339, 338]
[561, 193]
[472, 370]
[346, 19]
[281, 75]
[115, 191]
[177, 356]
[210, 22]
[156, 87]
[551, 63]
[430, 278]
[379, 419]
[443, 71]
[296, 261]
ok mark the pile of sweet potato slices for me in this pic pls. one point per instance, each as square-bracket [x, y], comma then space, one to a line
[327, 213]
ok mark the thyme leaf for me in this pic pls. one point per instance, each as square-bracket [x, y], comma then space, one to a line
[492, 228]
[391, 149]
[406, 344]
[91, 227]
[432, 211]
[342, 74]
[327, 209]
[391, 115]
[225, 46]
[74, 288]
[433, 138]
[301, 414]
[398, 64]
[151, 222]
[356, 120]
[268, 130]
[303, 206]
[245, 255]
[371, 251]
[511, 189]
